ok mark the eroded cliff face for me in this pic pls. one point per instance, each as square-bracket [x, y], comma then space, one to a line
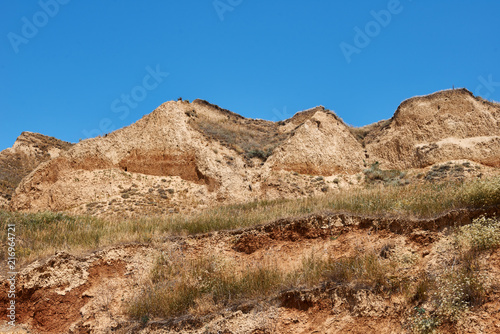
[447, 125]
[186, 156]
[319, 144]
[29, 151]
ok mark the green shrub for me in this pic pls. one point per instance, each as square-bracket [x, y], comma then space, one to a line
[422, 323]
[482, 234]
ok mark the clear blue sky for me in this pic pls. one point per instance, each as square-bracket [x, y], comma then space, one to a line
[72, 73]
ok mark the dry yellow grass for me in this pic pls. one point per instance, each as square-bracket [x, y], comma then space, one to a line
[179, 286]
[41, 234]
[202, 285]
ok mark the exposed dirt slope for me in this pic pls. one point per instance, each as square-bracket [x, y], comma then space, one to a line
[447, 125]
[320, 144]
[161, 144]
[185, 156]
[29, 150]
[90, 294]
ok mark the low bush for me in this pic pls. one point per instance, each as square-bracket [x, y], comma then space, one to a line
[389, 177]
[198, 286]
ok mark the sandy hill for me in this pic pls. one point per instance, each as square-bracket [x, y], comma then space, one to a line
[29, 150]
[185, 156]
[447, 125]
[131, 160]
[320, 144]
[188, 156]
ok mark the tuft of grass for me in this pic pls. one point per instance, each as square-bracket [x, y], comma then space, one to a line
[422, 290]
[362, 271]
[203, 285]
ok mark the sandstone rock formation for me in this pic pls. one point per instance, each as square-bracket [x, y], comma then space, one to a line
[320, 144]
[187, 156]
[29, 150]
[447, 125]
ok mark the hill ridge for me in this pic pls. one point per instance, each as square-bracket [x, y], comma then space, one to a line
[208, 155]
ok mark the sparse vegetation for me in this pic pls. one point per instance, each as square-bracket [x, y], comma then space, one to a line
[423, 323]
[180, 286]
[44, 232]
[199, 286]
[456, 288]
[448, 170]
[364, 270]
[375, 175]
[253, 139]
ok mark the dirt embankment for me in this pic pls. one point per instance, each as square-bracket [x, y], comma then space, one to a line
[91, 293]
[447, 125]
[29, 151]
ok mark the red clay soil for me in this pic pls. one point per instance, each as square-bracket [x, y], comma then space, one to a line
[324, 226]
[50, 312]
[161, 163]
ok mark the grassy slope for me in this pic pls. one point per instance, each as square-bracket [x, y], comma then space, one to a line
[41, 234]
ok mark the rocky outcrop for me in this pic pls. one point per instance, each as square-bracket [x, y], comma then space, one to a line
[320, 144]
[29, 150]
[447, 125]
